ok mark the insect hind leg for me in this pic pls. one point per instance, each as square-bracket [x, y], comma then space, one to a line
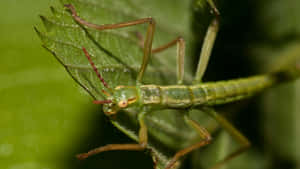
[236, 134]
[202, 132]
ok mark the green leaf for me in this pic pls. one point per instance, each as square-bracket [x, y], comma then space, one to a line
[116, 53]
[37, 124]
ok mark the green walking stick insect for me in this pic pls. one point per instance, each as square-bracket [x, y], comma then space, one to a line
[145, 98]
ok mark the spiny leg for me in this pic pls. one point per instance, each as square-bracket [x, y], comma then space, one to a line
[202, 132]
[208, 43]
[143, 140]
[147, 43]
[237, 135]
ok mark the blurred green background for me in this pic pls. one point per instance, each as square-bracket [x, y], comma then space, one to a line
[32, 115]
[46, 118]
[44, 114]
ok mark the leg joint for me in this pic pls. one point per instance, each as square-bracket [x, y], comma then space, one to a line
[151, 20]
[180, 38]
[208, 138]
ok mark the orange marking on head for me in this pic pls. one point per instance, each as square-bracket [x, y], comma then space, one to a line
[132, 100]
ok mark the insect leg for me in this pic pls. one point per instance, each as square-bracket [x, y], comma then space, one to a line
[143, 139]
[208, 43]
[180, 60]
[233, 132]
[147, 43]
[168, 45]
[110, 147]
[160, 48]
[143, 135]
[180, 55]
[213, 6]
[202, 132]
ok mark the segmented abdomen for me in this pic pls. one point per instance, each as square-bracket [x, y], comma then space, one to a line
[212, 93]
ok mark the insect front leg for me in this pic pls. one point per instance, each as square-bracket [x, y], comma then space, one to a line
[147, 43]
[143, 134]
[237, 135]
[202, 132]
[208, 43]
[143, 140]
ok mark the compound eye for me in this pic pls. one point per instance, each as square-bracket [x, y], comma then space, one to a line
[123, 103]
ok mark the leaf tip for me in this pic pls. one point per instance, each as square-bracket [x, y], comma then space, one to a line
[38, 32]
[46, 22]
[53, 10]
[44, 19]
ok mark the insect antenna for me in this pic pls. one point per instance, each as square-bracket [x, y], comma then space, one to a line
[100, 77]
[95, 69]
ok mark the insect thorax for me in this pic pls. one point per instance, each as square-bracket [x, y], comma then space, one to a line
[177, 96]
